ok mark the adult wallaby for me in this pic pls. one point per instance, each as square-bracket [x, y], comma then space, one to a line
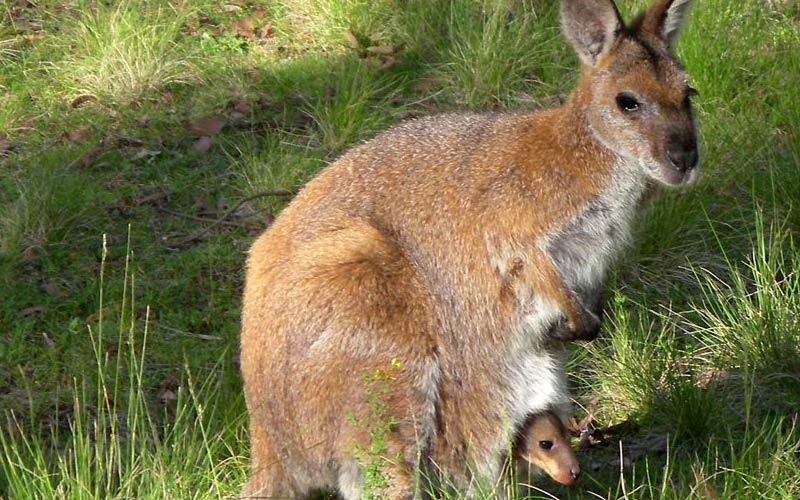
[455, 246]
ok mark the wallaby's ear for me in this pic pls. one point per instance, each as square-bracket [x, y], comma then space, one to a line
[664, 19]
[591, 26]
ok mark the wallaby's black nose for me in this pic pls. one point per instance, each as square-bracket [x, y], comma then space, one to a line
[575, 472]
[682, 156]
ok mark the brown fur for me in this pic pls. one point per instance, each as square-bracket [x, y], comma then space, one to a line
[452, 244]
[544, 443]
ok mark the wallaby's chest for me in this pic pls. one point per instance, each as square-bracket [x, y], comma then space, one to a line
[586, 244]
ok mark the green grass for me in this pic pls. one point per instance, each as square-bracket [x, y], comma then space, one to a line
[110, 390]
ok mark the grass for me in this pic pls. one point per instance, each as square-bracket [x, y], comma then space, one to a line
[110, 390]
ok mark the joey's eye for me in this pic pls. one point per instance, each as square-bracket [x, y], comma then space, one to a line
[545, 445]
[627, 103]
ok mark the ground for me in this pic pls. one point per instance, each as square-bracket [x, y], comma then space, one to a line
[128, 129]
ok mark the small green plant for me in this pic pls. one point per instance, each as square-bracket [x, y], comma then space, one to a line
[377, 423]
[222, 44]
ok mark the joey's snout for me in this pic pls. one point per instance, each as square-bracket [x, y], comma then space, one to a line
[569, 476]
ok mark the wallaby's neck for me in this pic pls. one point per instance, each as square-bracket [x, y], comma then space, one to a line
[575, 136]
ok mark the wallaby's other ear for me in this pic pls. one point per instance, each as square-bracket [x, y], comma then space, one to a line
[591, 26]
[664, 19]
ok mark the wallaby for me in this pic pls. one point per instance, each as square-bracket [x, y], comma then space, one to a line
[455, 246]
[544, 443]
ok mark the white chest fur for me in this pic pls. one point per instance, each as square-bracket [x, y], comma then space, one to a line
[584, 247]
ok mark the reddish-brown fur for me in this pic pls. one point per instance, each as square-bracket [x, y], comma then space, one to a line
[544, 443]
[453, 244]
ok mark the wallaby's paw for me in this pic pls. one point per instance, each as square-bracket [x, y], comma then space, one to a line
[589, 328]
[560, 330]
[586, 328]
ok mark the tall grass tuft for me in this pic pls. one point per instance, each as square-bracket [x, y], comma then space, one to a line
[126, 51]
[50, 204]
[493, 51]
[353, 108]
[750, 322]
[114, 442]
[327, 20]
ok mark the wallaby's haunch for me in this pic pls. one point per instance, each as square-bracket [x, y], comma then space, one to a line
[454, 244]
[544, 443]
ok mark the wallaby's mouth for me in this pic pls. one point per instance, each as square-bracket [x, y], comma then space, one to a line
[680, 160]
[669, 174]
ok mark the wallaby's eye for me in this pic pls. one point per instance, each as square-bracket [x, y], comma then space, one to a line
[545, 445]
[627, 103]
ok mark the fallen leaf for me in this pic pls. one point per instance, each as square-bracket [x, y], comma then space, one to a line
[202, 144]
[264, 31]
[260, 14]
[389, 61]
[151, 198]
[242, 106]
[49, 341]
[231, 7]
[23, 26]
[76, 135]
[352, 41]
[28, 311]
[52, 289]
[124, 140]
[710, 491]
[166, 98]
[167, 395]
[712, 376]
[90, 156]
[424, 84]
[384, 50]
[146, 153]
[244, 27]
[207, 126]
[82, 99]
[236, 116]
[201, 203]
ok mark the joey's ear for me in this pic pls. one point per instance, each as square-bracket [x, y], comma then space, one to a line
[664, 19]
[591, 26]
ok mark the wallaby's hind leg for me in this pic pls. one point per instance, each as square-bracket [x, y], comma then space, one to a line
[375, 321]
[267, 478]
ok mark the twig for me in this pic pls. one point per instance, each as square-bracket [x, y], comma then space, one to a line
[187, 334]
[227, 214]
[194, 217]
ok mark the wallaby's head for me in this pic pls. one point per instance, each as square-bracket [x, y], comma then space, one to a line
[635, 95]
[545, 444]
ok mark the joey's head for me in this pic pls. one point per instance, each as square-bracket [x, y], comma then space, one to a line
[545, 444]
[634, 94]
